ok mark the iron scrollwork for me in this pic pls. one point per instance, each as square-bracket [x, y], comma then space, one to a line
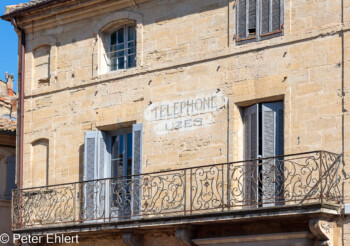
[276, 181]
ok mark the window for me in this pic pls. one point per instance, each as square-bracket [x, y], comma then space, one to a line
[263, 138]
[122, 48]
[258, 19]
[112, 163]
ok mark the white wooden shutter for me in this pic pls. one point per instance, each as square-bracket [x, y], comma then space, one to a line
[90, 155]
[271, 16]
[265, 16]
[276, 19]
[90, 173]
[137, 137]
[251, 148]
[241, 19]
[252, 14]
[10, 176]
[272, 136]
[96, 163]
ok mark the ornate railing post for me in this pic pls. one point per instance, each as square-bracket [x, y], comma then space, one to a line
[223, 188]
[184, 192]
[228, 187]
[191, 186]
[320, 177]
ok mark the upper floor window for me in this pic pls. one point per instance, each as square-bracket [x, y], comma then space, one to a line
[122, 48]
[258, 19]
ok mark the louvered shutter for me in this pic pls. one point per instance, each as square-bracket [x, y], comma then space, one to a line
[96, 162]
[251, 142]
[251, 16]
[276, 15]
[90, 155]
[10, 176]
[137, 136]
[272, 136]
[271, 12]
[241, 19]
[90, 173]
[103, 172]
[265, 16]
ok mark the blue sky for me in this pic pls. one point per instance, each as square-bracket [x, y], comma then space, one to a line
[8, 43]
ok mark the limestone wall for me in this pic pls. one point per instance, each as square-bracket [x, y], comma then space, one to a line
[185, 51]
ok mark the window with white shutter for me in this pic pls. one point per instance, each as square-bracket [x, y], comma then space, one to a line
[263, 138]
[112, 165]
[258, 19]
[94, 185]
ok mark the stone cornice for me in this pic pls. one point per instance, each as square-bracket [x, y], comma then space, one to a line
[63, 12]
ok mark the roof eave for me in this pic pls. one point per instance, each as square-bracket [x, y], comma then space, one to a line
[21, 11]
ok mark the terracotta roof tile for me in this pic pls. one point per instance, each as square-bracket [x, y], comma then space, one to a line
[24, 6]
[7, 124]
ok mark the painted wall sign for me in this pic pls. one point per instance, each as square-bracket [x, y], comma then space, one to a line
[185, 114]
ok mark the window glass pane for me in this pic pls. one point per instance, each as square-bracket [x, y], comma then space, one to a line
[131, 33]
[117, 155]
[131, 48]
[120, 46]
[131, 61]
[121, 63]
[113, 64]
[113, 38]
[120, 54]
[129, 145]
[120, 35]
[129, 153]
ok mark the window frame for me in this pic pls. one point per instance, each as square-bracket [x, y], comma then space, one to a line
[258, 35]
[125, 44]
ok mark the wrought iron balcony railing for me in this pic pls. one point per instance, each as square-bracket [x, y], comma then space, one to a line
[312, 177]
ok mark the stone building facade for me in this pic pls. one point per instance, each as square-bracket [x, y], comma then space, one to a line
[8, 114]
[185, 122]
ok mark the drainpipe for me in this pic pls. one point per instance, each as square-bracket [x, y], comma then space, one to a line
[21, 101]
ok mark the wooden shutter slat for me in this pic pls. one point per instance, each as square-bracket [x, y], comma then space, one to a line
[242, 19]
[272, 130]
[265, 16]
[251, 132]
[90, 155]
[252, 15]
[276, 15]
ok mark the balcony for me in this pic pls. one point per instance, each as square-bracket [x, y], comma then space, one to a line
[281, 182]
